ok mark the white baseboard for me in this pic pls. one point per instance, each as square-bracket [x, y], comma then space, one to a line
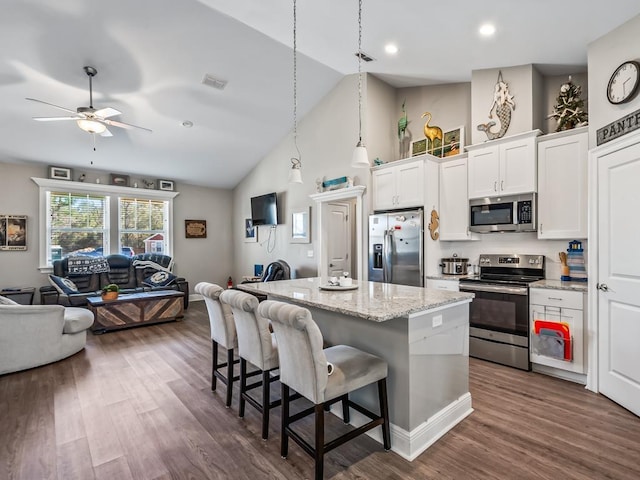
[409, 445]
[580, 378]
[196, 297]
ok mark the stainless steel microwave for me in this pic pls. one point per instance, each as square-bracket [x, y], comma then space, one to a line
[516, 213]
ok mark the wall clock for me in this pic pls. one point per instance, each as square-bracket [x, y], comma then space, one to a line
[623, 84]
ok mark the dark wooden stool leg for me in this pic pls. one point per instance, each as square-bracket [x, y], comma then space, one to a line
[229, 376]
[284, 438]
[345, 409]
[384, 413]
[214, 365]
[243, 386]
[266, 400]
[319, 450]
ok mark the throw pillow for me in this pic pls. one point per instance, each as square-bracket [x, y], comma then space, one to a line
[7, 301]
[159, 279]
[63, 285]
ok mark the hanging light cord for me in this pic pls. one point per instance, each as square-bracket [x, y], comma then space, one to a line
[360, 71]
[295, 161]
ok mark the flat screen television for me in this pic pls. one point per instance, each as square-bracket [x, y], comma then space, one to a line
[264, 209]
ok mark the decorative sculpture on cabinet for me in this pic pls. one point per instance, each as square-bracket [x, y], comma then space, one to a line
[502, 106]
[432, 132]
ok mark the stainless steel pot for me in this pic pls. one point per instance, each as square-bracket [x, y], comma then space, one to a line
[454, 265]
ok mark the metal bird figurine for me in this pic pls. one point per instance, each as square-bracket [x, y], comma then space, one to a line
[402, 123]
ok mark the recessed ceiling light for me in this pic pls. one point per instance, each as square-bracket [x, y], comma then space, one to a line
[487, 30]
[187, 124]
[391, 49]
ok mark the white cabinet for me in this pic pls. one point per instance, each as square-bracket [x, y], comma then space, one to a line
[454, 203]
[562, 185]
[558, 306]
[399, 186]
[442, 284]
[503, 167]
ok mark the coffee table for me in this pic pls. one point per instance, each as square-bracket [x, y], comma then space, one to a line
[136, 309]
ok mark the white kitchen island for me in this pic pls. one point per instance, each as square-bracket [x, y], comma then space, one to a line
[422, 333]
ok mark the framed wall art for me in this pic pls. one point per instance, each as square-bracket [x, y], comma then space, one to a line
[120, 180]
[60, 173]
[13, 232]
[300, 225]
[166, 185]
[453, 143]
[419, 147]
[250, 231]
[195, 229]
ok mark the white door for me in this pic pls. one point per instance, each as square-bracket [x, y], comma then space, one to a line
[339, 237]
[484, 170]
[410, 185]
[518, 167]
[454, 205]
[384, 189]
[619, 277]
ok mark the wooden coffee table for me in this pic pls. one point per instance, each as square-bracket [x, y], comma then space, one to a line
[136, 309]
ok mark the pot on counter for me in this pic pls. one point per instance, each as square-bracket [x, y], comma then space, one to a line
[454, 265]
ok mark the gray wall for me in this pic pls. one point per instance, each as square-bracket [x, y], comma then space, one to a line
[326, 137]
[208, 259]
[604, 56]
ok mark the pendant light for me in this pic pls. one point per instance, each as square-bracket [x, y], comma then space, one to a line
[295, 174]
[360, 158]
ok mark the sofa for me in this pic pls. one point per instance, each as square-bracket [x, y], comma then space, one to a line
[34, 335]
[139, 273]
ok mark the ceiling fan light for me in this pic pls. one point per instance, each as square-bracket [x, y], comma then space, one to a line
[91, 126]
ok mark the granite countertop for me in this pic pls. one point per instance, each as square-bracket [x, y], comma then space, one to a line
[560, 285]
[373, 301]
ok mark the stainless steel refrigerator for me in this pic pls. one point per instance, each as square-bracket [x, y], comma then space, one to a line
[395, 248]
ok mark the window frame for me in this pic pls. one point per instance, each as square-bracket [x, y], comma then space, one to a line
[114, 193]
[166, 221]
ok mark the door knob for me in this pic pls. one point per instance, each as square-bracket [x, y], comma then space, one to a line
[331, 264]
[602, 287]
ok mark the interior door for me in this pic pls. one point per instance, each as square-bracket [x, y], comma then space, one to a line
[339, 248]
[619, 277]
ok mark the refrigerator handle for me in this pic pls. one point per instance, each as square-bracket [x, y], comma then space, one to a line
[387, 272]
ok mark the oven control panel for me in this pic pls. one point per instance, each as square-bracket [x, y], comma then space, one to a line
[512, 261]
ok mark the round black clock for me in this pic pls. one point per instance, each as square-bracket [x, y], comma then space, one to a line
[623, 84]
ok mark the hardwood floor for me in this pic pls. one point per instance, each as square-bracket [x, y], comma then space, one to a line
[137, 404]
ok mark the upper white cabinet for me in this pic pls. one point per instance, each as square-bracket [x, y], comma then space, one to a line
[562, 185]
[503, 167]
[454, 203]
[399, 186]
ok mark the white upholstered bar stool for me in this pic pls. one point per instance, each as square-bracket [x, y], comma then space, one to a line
[304, 368]
[223, 332]
[256, 345]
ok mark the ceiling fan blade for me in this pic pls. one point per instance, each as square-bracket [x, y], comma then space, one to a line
[56, 119]
[106, 133]
[128, 126]
[107, 112]
[52, 105]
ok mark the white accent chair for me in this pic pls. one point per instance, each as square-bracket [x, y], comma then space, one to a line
[304, 368]
[256, 345]
[34, 335]
[223, 332]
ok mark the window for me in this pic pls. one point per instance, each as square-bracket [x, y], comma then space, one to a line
[77, 224]
[143, 226]
[97, 219]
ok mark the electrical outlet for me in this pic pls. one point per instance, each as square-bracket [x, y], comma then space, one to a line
[310, 253]
[437, 321]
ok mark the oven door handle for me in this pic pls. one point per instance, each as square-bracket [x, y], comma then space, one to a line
[494, 289]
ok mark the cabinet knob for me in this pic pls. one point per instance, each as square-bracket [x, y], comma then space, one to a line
[501, 185]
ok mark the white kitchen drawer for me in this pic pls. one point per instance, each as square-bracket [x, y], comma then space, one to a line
[449, 285]
[556, 298]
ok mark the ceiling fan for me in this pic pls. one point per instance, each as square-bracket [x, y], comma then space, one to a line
[88, 118]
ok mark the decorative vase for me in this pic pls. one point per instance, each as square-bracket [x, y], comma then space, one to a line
[109, 295]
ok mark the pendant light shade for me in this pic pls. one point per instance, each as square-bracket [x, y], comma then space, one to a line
[295, 175]
[360, 158]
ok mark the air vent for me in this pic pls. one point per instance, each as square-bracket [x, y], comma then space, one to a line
[214, 82]
[365, 57]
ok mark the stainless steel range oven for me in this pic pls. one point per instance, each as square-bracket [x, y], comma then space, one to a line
[499, 313]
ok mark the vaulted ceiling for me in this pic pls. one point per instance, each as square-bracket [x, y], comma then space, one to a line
[151, 57]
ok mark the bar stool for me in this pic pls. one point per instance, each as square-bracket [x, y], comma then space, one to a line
[304, 368]
[256, 345]
[223, 332]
